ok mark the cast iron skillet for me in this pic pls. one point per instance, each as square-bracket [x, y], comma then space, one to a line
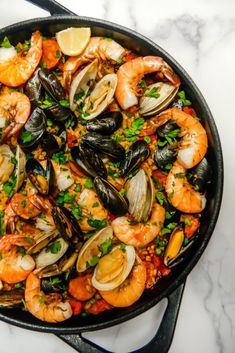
[172, 286]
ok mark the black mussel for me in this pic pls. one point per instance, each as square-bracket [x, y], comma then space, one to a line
[51, 84]
[200, 175]
[165, 155]
[32, 132]
[58, 113]
[105, 145]
[89, 161]
[168, 128]
[52, 143]
[136, 155]
[33, 88]
[55, 284]
[105, 124]
[42, 179]
[66, 223]
[110, 197]
[12, 298]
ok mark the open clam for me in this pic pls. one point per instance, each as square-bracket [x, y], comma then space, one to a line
[6, 164]
[20, 167]
[12, 298]
[113, 268]
[92, 248]
[41, 239]
[52, 253]
[140, 193]
[157, 97]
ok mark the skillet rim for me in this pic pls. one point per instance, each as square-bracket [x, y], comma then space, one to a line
[89, 21]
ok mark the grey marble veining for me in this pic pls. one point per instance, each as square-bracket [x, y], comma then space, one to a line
[201, 36]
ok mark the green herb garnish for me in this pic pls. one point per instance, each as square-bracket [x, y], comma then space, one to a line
[54, 247]
[153, 93]
[6, 43]
[183, 99]
[96, 223]
[106, 246]
[26, 136]
[59, 157]
[88, 184]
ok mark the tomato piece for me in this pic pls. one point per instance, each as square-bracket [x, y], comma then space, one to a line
[193, 225]
[99, 306]
[157, 261]
[71, 139]
[189, 111]
[164, 270]
[76, 306]
[112, 217]
[133, 110]
[130, 56]
[51, 53]
[160, 177]
[75, 169]
[81, 287]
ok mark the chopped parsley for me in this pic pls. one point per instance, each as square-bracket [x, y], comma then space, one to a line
[26, 136]
[122, 247]
[153, 93]
[18, 285]
[132, 133]
[76, 211]
[96, 223]
[23, 203]
[64, 103]
[29, 240]
[122, 192]
[78, 187]
[57, 53]
[106, 246]
[94, 261]
[64, 197]
[6, 43]
[9, 186]
[88, 184]
[142, 84]
[179, 175]
[187, 221]
[13, 160]
[42, 300]
[147, 139]
[183, 99]
[160, 197]
[169, 228]
[54, 247]
[21, 250]
[95, 204]
[117, 137]
[46, 103]
[1, 222]
[59, 157]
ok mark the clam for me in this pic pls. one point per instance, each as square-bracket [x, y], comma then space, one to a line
[66, 223]
[140, 193]
[163, 95]
[91, 248]
[176, 248]
[33, 88]
[165, 155]
[100, 97]
[20, 167]
[200, 175]
[109, 196]
[82, 84]
[53, 143]
[106, 124]
[33, 130]
[6, 164]
[89, 161]
[113, 268]
[41, 239]
[52, 253]
[51, 84]
[42, 179]
[136, 155]
[12, 298]
[105, 145]
[63, 265]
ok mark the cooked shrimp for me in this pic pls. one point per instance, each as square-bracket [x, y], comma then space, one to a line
[8, 240]
[18, 69]
[98, 47]
[193, 144]
[63, 175]
[140, 234]
[130, 290]
[15, 109]
[91, 209]
[45, 307]
[181, 194]
[131, 73]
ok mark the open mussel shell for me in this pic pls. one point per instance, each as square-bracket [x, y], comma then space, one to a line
[33, 88]
[110, 197]
[58, 113]
[105, 145]
[41, 240]
[136, 155]
[140, 193]
[89, 161]
[42, 179]
[113, 268]
[92, 248]
[66, 223]
[106, 123]
[51, 84]
[167, 128]
[200, 176]
[52, 253]
[11, 299]
[153, 105]
[176, 249]
[54, 284]
[165, 155]
[33, 130]
[53, 143]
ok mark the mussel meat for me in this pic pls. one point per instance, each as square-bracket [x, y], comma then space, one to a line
[42, 179]
[200, 175]
[89, 161]
[32, 132]
[106, 123]
[136, 155]
[66, 223]
[166, 155]
[51, 84]
[140, 193]
[33, 88]
[110, 197]
[157, 97]
[52, 143]
[105, 145]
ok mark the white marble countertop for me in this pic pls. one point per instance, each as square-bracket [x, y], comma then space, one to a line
[201, 36]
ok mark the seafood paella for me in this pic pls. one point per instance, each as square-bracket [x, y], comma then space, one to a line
[103, 174]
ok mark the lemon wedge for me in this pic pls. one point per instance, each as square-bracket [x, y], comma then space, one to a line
[72, 41]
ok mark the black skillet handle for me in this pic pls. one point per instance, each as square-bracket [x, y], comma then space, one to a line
[159, 344]
[52, 6]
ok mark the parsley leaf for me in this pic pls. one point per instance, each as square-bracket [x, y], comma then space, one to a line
[88, 184]
[26, 136]
[64, 103]
[9, 186]
[94, 260]
[59, 157]
[6, 43]
[76, 211]
[96, 223]
[106, 246]
[64, 197]
[54, 247]
[134, 130]
[183, 99]
[153, 93]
